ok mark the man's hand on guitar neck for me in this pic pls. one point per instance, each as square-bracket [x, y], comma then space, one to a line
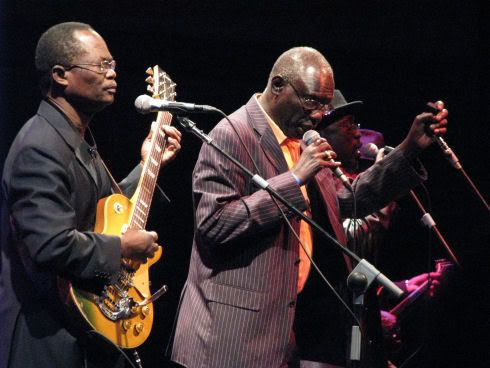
[415, 282]
[139, 245]
[172, 147]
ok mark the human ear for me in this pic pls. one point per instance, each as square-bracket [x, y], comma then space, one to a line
[277, 83]
[58, 73]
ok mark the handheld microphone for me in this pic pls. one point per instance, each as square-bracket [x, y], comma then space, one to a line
[145, 104]
[309, 137]
[448, 152]
[371, 150]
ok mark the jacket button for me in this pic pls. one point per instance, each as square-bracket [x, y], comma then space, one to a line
[292, 304]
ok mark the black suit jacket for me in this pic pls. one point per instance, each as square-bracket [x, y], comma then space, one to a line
[50, 187]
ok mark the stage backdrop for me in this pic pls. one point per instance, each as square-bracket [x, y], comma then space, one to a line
[394, 56]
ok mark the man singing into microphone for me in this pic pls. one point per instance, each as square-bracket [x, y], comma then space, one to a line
[247, 267]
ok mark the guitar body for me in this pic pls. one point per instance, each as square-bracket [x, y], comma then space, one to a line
[131, 330]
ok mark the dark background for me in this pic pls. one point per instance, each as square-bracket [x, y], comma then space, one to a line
[393, 55]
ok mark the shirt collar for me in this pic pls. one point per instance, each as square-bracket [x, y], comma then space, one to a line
[278, 133]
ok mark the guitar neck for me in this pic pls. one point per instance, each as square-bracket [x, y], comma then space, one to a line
[146, 186]
[411, 298]
[442, 265]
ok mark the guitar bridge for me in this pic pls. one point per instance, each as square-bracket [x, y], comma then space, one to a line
[114, 301]
[114, 304]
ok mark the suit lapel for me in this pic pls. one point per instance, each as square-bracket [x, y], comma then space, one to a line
[326, 186]
[267, 139]
[72, 138]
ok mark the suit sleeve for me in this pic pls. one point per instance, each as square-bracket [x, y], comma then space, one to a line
[228, 206]
[45, 222]
[129, 184]
[383, 182]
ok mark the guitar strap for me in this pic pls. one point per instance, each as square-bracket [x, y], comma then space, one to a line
[114, 185]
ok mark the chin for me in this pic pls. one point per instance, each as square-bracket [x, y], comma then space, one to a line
[299, 131]
[107, 102]
[101, 105]
[297, 134]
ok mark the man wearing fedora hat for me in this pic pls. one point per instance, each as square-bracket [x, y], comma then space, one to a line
[341, 129]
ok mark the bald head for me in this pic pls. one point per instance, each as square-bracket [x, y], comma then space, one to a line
[300, 85]
[300, 62]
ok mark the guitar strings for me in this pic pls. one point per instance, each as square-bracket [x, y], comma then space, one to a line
[148, 182]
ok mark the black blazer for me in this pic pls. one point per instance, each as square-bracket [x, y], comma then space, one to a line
[50, 187]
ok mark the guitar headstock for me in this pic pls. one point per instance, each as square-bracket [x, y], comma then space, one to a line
[442, 265]
[160, 85]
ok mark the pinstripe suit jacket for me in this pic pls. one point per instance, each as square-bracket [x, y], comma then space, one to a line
[238, 303]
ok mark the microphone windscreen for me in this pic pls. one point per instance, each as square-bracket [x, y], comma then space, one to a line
[143, 104]
[369, 151]
[310, 136]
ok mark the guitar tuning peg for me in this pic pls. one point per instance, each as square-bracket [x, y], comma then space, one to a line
[149, 80]
[149, 71]
[149, 88]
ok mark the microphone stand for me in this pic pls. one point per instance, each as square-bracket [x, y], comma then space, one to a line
[428, 221]
[453, 159]
[361, 276]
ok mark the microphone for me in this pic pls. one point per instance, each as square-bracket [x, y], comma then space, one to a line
[312, 135]
[145, 104]
[371, 150]
[448, 152]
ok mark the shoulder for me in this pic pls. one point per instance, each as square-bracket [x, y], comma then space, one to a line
[37, 141]
[235, 124]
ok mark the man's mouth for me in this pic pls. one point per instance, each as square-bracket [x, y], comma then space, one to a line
[112, 88]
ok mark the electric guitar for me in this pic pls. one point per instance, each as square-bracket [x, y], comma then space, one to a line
[123, 311]
[392, 333]
[441, 265]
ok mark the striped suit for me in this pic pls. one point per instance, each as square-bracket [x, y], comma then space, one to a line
[238, 303]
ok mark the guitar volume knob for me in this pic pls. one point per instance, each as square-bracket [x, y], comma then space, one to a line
[138, 328]
[145, 310]
[126, 325]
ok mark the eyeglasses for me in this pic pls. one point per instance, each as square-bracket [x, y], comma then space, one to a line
[349, 123]
[104, 66]
[309, 103]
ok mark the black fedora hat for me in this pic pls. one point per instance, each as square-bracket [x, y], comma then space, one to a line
[339, 107]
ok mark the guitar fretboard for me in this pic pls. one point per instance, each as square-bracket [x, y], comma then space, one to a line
[149, 175]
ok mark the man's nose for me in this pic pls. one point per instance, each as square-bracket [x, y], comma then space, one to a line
[111, 74]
